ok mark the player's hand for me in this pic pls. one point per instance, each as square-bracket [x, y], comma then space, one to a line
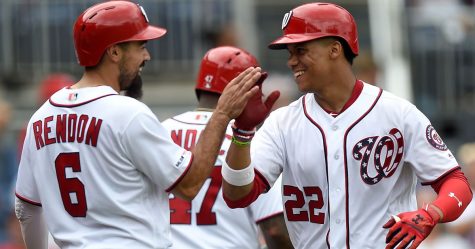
[256, 109]
[237, 93]
[409, 227]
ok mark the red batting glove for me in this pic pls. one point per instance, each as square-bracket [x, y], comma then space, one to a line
[410, 227]
[256, 110]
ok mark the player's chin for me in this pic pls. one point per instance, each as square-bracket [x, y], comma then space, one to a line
[134, 89]
[301, 85]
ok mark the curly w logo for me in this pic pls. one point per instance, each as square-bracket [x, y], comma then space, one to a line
[386, 153]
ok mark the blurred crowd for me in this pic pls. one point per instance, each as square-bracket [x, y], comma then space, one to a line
[10, 151]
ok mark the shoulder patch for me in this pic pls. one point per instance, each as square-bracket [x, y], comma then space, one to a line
[434, 139]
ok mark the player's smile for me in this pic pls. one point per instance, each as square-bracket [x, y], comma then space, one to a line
[300, 78]
[141, 68]
[299, 73]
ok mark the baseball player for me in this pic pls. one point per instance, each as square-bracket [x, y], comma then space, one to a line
[97, 167]
[350, 153]
[207, 217]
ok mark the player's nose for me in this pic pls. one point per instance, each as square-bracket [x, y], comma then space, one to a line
[147, 56]
[292, 61]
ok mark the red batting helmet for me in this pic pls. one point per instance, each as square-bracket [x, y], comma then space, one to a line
[220, 65]
[53, 83]
[109, 23]
[316, 20]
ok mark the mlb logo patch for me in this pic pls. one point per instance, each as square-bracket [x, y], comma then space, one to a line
[73, 96]
[180, 161]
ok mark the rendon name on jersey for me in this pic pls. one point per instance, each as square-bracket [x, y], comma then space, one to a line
[69, 128]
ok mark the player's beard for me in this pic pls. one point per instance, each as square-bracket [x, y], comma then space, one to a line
[131, 82]
[135, 88]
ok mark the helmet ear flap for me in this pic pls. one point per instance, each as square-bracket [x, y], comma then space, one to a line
[220, 65]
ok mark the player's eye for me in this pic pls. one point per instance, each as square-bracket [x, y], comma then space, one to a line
[300, 50]
[290, 54]
[143, 45]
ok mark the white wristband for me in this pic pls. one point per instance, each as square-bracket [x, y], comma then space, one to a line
[241, 177]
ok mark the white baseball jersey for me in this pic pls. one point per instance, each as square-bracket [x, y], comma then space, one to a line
[207, 222]
[344, 176]
[99, 164]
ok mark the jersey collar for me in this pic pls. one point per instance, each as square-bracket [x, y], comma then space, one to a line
[357, 89]
[68, 97]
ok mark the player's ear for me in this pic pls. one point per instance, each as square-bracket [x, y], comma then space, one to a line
[114, 52]
[336, 49]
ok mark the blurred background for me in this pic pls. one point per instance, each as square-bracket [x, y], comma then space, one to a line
[421, 50]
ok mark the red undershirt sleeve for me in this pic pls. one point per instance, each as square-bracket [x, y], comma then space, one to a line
[260, 186]
[454, 195]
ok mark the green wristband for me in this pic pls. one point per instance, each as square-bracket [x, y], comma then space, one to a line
[240, 143]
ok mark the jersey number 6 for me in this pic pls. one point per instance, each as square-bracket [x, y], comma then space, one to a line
[298, 202]
[72, 189]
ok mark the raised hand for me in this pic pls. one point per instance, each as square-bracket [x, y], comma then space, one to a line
[256, 109]
[237, 93]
